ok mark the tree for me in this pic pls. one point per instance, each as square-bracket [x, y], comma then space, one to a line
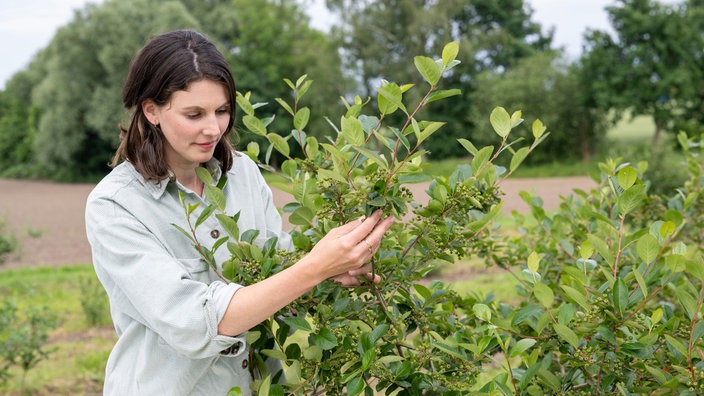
[653, 65]
[543, 84]
[84, 67]
[73, 87]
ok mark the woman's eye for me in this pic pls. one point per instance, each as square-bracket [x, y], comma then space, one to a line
[193, 115]
[223, 111]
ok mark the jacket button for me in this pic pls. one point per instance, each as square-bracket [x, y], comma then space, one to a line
[215, 234]
[245, 363]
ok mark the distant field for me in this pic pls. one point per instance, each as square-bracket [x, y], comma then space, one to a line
[627, 132]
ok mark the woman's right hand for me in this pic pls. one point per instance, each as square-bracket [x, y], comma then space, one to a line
[345, 249]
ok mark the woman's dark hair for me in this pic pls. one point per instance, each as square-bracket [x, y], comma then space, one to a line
[166, 64]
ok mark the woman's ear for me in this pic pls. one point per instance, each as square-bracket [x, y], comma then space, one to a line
[151, 111]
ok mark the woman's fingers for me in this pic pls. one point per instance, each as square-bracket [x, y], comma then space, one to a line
[362, 230]
[348, 280]
[347, 227]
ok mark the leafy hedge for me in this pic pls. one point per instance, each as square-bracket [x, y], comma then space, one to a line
[610, 283]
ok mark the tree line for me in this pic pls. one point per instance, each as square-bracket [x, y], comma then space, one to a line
[59, 116]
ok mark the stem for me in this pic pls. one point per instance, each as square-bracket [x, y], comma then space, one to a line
[202, 250]
[408, 121]
[646, 300]
[690, 367]
[620, 241]
[508, 363]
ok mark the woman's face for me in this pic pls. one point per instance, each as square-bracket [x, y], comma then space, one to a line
[192, 122]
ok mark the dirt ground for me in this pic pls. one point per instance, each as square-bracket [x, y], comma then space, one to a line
[48, 218]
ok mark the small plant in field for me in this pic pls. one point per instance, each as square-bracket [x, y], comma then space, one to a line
[94, 303]
[23, 337]
[8, 241]
[35, 232]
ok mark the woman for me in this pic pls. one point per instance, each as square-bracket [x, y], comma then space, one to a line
[181, 329]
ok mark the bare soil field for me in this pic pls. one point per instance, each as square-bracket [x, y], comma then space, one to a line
[48, 218]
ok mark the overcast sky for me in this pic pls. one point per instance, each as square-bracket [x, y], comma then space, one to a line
[26, 26]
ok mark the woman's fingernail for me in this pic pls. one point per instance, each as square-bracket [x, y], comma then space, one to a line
[361, 218]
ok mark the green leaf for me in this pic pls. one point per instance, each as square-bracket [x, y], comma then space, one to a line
[229, 224]
[355, 386]
[518, 158]
[620, 296]
[647, 248]
[300, 120]
[285, 105]
[352, 130]
[204, 175]
[378, 332]
[660, 375]
[390, 99]
[698, 331]
[254, 124]
[279, 143]
[586, 250]
[676, 262]
[676, 344]
[601, 247]
[481, 159]
[577, 296]
[449, 52]
[312, 147]
[236, 391]
[328, 174]
[566, 334]
[313, 352]
[631, 198]
[688, 302]
[544, 294]
[429, 69]
[538, 129]
[304, 88]
[442, 94]
[500, 121]
[656, 316]
[274, 353]
[627, 176]
[204, 215]
[302, 216]
[401, 138]
[468, 146]
[325, 339]
[298, 323]
[482, 312]
[289, 168]
[216, 197]
[183, 232]
[521, 346]
[429, 130]
[374, 156]
[533, 261]
[368, 358]
[244, 104]
[641, 282]
[264, 386]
